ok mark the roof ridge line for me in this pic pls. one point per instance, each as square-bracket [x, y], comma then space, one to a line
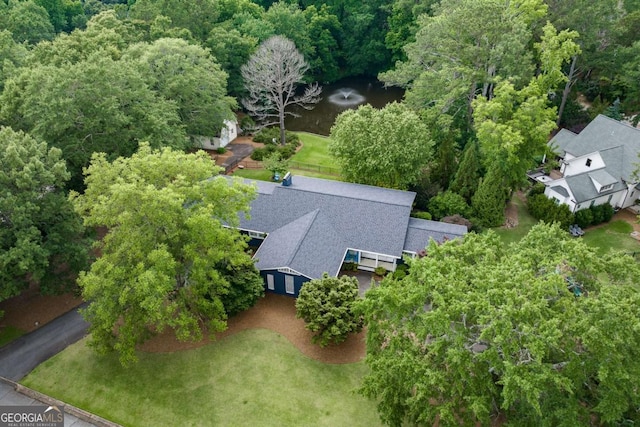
[304, 235]
[354, 198]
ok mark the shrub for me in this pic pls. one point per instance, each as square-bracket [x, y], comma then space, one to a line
[538, 188]
[545, 209]
[380, 271]
[247, 125]
[599, 213]
[401, 271]
[349, 266]
[448, 203]
[221, 150]
[327, 306]
[421, 215]
[459, 220]
[267, 136]
[606, 212]
[261, 153]
[584, 218]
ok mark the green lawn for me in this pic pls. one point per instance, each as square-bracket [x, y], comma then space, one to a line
[315, 150]
[313, 160]
[614, 235]
[525, 222]
[255, 377]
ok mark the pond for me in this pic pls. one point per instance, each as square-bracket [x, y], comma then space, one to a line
[338, 97]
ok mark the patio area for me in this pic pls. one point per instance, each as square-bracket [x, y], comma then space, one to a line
[364, 279]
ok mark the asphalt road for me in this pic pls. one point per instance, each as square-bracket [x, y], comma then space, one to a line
[19, 357]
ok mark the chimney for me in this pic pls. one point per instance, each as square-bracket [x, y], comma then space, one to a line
[286, 181]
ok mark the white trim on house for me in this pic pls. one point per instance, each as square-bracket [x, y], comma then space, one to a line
[369, 261]
[287, 270]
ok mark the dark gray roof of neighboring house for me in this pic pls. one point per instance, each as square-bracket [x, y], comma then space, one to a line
[311, 223]
[583, 189]
[602, 134]
[420, 231]
[560, 190]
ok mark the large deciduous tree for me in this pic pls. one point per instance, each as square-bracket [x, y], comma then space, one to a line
[169, 252]
[386, 147]
[545, 332]
[95, 105]
[41, 237]
[271, 77]
[463, 50]
[187, 75]
[327, 306]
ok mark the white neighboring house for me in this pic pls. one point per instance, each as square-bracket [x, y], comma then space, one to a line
[227, 134]
[597, 165]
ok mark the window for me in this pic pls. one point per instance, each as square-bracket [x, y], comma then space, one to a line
[588, 162]
[593, 202]
[288, 284]
[270, 284]
[257, 235]
[606, 187]
[610, 197]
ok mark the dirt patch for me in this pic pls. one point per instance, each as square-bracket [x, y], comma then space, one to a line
[277, 313]
[31, 310]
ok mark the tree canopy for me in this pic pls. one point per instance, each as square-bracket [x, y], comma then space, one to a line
[168, 252]
[39, 231]
[386, 147]
[544, 332]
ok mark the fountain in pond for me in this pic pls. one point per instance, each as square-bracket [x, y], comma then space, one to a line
[346, 98]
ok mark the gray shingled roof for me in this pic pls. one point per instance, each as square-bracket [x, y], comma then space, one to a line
[420, 231]
[311, 223]
[560, 190]
[603, 134]
[561, 140]
[583, 189]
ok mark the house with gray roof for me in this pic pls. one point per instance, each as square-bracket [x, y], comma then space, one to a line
[305, 227]
[597, 165]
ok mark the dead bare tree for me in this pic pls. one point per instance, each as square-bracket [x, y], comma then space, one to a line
[271, 77]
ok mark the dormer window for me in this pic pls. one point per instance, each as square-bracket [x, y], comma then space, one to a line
[606, 187]
[588, 162]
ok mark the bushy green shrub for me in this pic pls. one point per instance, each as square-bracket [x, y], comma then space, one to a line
[547, 210]
[607, 212]
[584, 218]
[538, 188]
[261, 153]
[401, 271]
[448, 203]
[380, 271]
[421, 215]
[221, 150]
[268, 135]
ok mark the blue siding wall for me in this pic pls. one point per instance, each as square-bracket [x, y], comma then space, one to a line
[278, 282]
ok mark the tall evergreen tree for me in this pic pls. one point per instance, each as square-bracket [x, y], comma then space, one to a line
[467, 177]
[490, 200]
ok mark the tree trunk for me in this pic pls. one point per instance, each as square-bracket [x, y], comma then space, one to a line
[283, 136]
[567, 89]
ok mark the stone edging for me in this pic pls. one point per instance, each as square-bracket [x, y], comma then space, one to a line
[69, 409]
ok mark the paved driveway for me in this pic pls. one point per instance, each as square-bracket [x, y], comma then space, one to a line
[19, 357]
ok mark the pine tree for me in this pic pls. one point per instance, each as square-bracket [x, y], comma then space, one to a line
[467, 177]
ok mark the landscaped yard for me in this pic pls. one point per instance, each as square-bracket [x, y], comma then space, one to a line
[254, 377]
[313, 160]
[612, 235]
